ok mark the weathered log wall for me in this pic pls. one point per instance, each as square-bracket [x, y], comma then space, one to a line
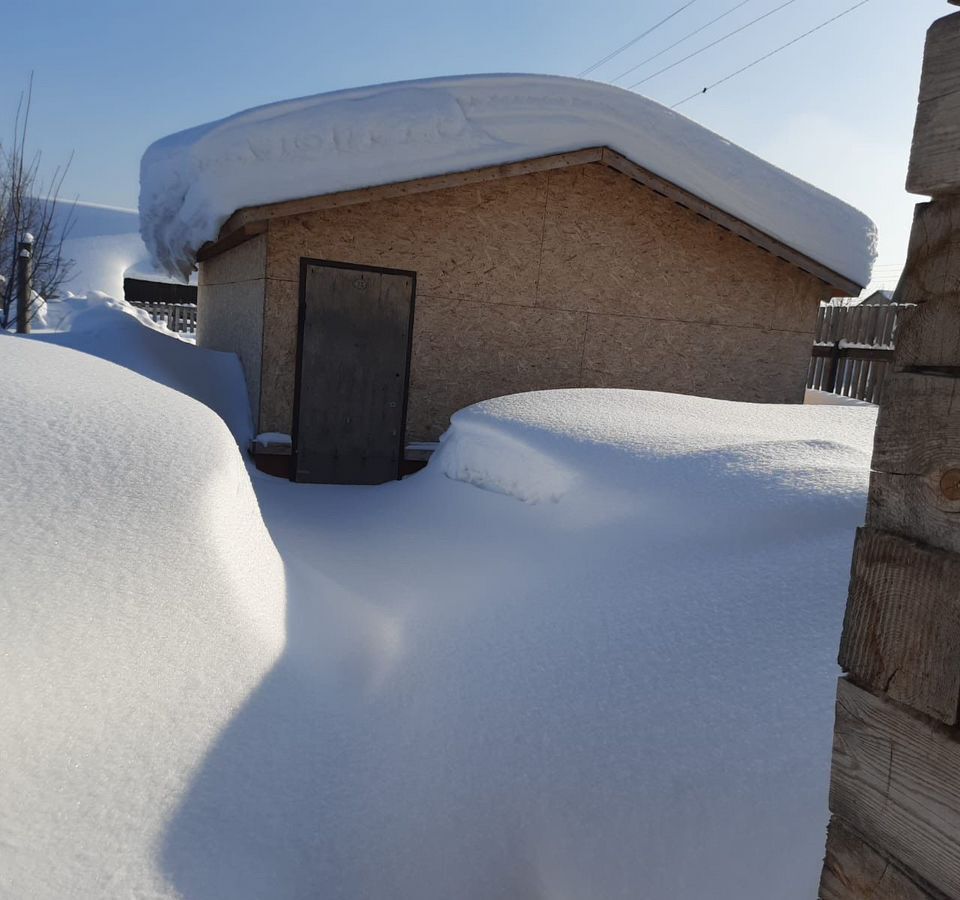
[895, 783]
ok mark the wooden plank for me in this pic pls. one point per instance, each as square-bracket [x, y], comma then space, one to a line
[901, 631]
[918, 428]
[916, 460]
[731, 223]
[853, 870]
[934, 161]
[896, 781]
[929, 336]
[906, 505]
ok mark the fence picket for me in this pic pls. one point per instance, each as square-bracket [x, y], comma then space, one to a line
[853, 349]
[178, 317]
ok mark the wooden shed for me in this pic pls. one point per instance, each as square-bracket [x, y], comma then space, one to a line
[365, 317]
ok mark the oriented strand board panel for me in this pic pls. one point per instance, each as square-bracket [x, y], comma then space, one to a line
[612, 246]
[853, 870]
[245, 262]
[478, 242]
[901, 631]
[934, 158]
[896, 780]
[464, 352]
[278, 372]
[230, 306]
[504, 296]
[694, 358]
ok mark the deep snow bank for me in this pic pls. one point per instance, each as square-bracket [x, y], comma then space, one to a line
[116, 331]
[541, 445]
[142, 600]
[105, 245]
[190, 182]
[622, 690]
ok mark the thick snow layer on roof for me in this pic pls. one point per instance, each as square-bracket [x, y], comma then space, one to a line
[191, 182]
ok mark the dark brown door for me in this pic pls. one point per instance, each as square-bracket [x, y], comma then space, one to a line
[352, 370]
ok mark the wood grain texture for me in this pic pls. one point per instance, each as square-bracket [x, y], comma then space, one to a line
[918, 426]
[929, 336]
[934, 159]
[896, 780]
[908, 505]
[917, 444]
[901, 631]
[853, 870]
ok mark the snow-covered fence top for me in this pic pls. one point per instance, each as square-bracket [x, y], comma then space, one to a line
[192, 181]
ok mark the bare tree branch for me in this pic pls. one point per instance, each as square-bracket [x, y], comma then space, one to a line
[30, 204]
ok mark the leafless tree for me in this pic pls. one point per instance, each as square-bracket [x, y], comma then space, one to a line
[31, 204]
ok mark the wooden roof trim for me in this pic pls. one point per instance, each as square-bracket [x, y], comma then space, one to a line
[731, 223]
[252, 220]
[406, 188]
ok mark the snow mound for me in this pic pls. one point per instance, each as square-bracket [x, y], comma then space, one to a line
[192, 181]
[142, 602]
[540, 445]
[115, 330]
[625, 689]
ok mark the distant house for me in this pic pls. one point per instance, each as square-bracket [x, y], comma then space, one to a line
[386, 295]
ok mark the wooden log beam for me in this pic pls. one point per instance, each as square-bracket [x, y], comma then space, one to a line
[915, 483]
[929, 336]
[901, 630]
[934, 159]
[896, 780]
[853, 870]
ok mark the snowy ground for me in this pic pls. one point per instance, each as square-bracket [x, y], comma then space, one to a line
[588, 652]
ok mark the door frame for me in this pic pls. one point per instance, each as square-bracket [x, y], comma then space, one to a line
[305, 262]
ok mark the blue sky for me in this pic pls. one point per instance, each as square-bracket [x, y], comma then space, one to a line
[836, 108]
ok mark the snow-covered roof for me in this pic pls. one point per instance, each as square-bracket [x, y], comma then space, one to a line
[192, 181]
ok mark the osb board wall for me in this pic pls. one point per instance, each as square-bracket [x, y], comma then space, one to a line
[230, 299]
[575, 277]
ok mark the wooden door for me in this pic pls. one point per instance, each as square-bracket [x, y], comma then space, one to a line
[353, 360]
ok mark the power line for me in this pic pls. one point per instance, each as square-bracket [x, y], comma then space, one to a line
[639, 37]
[686, 37]
[760, 59]
[719, 40]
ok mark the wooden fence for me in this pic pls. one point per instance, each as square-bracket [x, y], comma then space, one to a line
[853, 349]
[180, 317]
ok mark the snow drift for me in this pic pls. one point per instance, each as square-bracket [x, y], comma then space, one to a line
[588, 652]
[119, 332]
[191, 182]
[142, 601]
[622, 687]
